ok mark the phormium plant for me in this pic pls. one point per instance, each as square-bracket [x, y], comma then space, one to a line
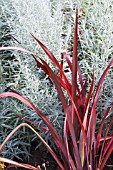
[80, 146]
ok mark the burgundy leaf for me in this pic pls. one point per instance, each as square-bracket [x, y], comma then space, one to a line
[35, 124]
[53, 59]
[64, 55]
[74, 75]
[92, 121]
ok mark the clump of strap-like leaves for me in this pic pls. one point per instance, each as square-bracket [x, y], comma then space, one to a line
[80, 146]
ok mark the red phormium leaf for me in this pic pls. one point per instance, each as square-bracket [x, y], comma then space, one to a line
[64, 55]
[92, 121]
[53, 59]
[35, 124]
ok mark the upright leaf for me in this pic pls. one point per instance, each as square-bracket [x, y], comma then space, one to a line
[74, 74]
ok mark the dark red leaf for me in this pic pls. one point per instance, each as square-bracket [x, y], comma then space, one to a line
[74, 74]
[35, 124]
[53, 59]
[92, 121]
[64, 55]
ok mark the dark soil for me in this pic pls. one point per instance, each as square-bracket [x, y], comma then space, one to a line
[41, 158]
